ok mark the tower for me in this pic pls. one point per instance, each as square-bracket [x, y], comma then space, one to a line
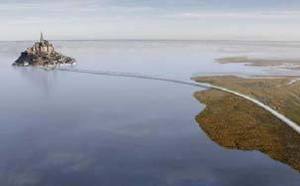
[42, 38]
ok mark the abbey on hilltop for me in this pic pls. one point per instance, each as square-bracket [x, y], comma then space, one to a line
[42, 53]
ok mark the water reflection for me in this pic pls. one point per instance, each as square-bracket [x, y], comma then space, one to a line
[39, 78]
[228, 127]
[93, 130]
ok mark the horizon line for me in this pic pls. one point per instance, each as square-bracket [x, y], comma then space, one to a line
[225, 40]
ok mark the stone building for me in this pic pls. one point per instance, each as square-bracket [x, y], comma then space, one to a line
[41, 47]
[42, 53]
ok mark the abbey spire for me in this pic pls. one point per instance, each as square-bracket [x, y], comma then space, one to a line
[42, 38]
[42, 53]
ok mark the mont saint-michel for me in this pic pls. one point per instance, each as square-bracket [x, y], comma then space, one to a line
[107, 122]
[42, 53]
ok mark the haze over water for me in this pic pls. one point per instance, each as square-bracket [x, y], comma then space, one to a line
[59, 128]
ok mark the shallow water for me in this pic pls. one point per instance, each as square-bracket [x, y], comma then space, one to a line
[59, 128]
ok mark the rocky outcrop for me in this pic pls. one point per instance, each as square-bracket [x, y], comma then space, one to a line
[42, 53]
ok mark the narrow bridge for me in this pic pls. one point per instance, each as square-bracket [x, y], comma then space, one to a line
[275, 113]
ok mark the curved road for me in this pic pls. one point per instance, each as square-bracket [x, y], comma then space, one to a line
[281, 117]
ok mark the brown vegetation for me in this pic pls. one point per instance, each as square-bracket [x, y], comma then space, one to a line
[282, 94]
[235, 123]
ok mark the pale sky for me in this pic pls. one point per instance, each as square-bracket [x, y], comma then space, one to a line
[150, 19]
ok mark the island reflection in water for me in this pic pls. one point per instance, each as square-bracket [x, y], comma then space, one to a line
[237, 124]
[61, 128]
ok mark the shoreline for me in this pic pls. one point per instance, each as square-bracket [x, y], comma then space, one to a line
[280, 63]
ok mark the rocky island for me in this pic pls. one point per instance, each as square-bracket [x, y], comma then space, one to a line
[42, 53]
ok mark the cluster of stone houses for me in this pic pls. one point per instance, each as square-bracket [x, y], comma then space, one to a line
[42, 53]
[41, 47]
